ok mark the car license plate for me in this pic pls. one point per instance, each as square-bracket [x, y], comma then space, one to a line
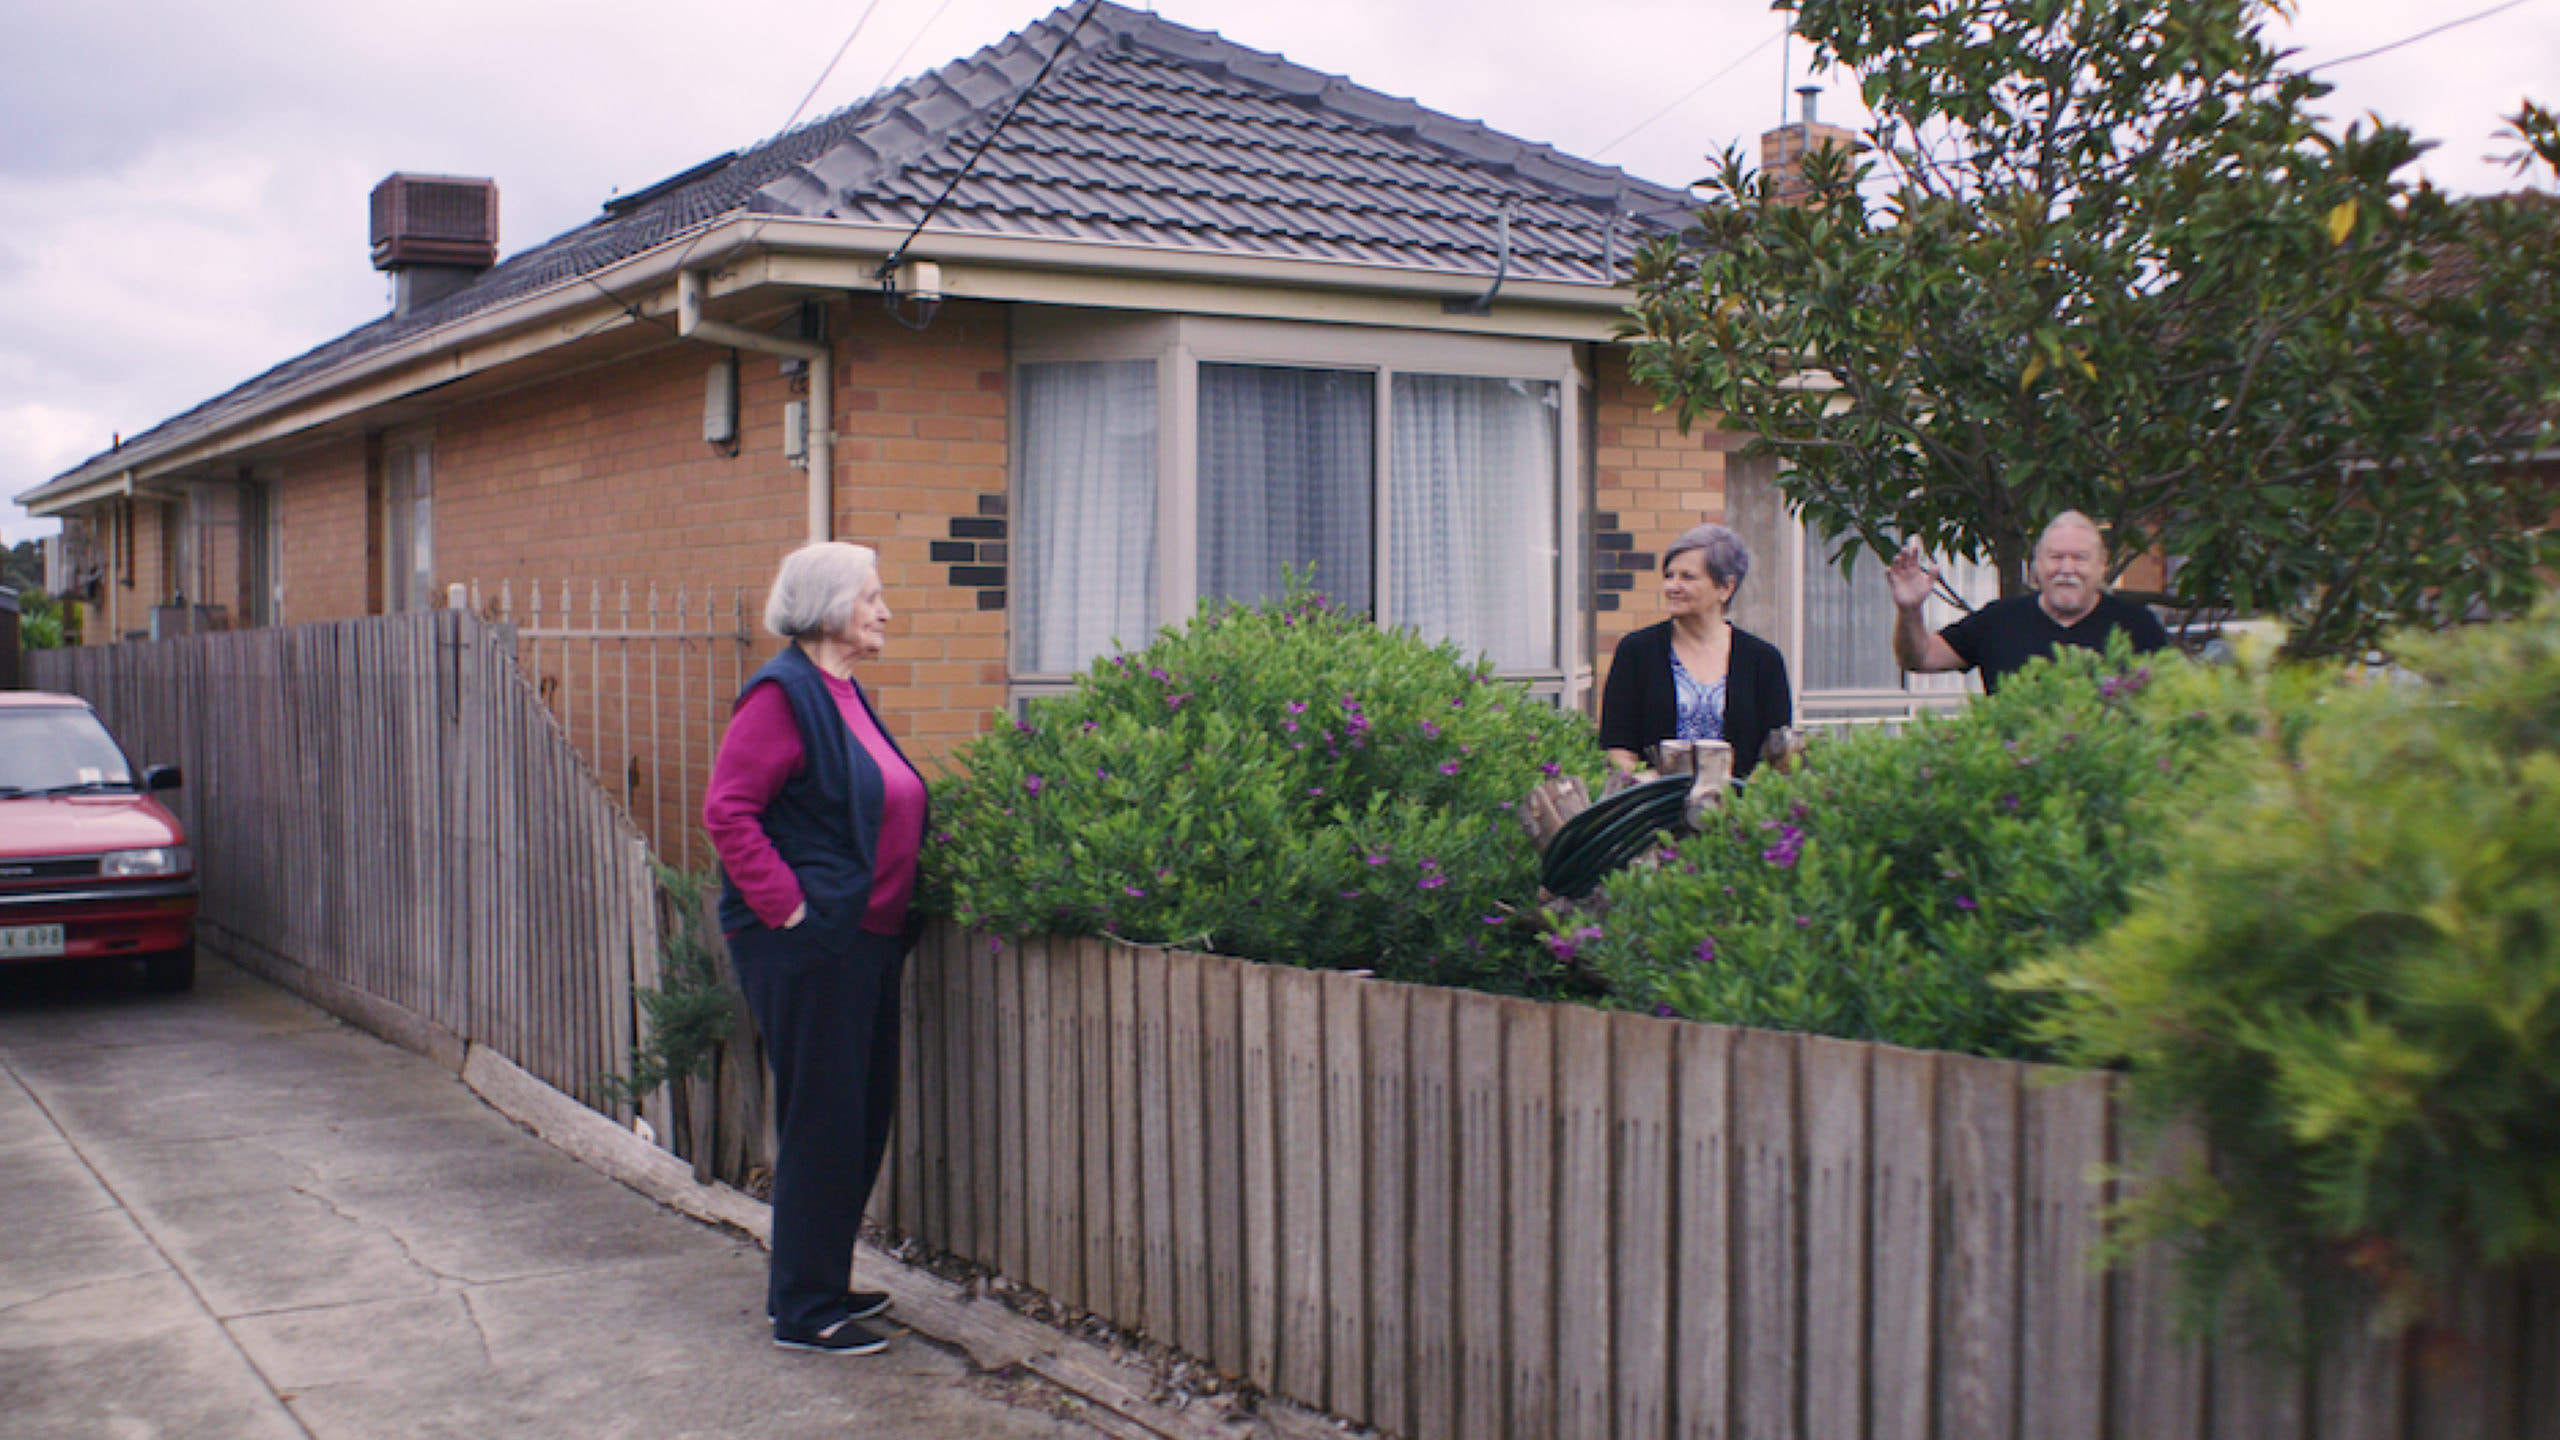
[21, 941]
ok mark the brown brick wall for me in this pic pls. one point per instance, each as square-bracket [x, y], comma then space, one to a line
[604, 477]
[318, 507]
[1652, 482]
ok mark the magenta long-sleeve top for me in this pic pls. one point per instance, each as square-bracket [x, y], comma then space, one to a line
[760, 756]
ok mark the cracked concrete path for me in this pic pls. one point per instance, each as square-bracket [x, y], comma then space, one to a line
[227, 1214]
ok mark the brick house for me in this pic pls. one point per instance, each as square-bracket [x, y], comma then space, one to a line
[1194, 313]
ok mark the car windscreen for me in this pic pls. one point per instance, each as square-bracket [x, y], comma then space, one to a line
[61, 749]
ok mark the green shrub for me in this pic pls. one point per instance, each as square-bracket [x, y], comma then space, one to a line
[2349, 977]
[1288, 784]
[1876, 893]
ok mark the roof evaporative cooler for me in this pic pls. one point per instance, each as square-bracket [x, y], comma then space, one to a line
[435, 220]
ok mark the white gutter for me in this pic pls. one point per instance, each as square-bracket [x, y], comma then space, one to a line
[822, 378]
[581, 307]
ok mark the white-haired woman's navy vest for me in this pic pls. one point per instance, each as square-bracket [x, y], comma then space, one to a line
[825, 822]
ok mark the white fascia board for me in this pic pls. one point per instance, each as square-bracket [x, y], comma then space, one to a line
[745, 252]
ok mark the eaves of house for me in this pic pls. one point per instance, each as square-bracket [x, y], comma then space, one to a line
[1156, 168]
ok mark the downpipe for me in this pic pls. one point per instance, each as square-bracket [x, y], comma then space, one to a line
[822, 370]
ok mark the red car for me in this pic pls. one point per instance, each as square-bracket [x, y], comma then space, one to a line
[91, 867]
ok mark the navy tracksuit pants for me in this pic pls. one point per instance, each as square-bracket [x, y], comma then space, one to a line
[830, 1027]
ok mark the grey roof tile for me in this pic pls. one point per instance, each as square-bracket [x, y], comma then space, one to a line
[1149, 134]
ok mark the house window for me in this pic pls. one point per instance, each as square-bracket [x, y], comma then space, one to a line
[1834, 627]
[1086, 540]
[1420, 478]
[408, 524]
[1287, 464]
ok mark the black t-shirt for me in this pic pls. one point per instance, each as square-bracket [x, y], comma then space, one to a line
[2006, 634]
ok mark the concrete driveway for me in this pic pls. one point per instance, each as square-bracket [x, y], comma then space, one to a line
[227, 1214]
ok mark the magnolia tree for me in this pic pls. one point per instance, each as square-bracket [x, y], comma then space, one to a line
[2101, 256]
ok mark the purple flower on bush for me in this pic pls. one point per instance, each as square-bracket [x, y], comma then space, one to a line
[1562, 947]
[1551, 769]
[1316, 790]
[1493, 919]
[1155, 673]
[1289, 725]
[1965, 902]
[1101, 774]
[1350, 894]
[1091, 725]
[1133, 892]
[2008, 802]
[1033, 784]
[1707, 951]
[1025, 727]
[1448, 767]
[1430, 731]
[1296, 707]
[1790, 846]
[1432, 882]
[1174, 702]
[1458, 702]
[1665, 1012]
[1377, 859]
[1804, 922]
[1796, 812]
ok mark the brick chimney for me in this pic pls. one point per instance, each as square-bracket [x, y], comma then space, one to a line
[1782, 150]
[434, 233]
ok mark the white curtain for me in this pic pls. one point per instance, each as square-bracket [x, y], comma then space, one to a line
[1286, 462]
[1084, 540]
[1475, 560]
[1848, 620]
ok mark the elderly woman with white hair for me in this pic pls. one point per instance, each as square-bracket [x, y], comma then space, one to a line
[1697, 675]
[817, 818]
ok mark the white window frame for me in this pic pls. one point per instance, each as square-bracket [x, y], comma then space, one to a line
[408, 522]
[1180, 344]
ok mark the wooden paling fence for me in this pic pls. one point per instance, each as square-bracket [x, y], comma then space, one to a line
[386, 817]
[1458, 1215]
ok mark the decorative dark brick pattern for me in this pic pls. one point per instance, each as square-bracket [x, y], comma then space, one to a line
[990, 599]
[1606, 602]
[991, 554]
[1616, 580]
[954, 552]
[978, 577]
[974, 528]
[1637, 560]
[1612, 540]
[991, 505]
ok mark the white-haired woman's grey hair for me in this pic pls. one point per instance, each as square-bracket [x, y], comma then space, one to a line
[1727, 559]
[814, 591]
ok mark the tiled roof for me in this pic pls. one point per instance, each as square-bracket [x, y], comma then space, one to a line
[1145, 134]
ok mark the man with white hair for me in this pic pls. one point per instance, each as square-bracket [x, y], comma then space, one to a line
[2069, 607]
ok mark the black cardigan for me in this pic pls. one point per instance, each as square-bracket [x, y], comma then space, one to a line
[1640, 707]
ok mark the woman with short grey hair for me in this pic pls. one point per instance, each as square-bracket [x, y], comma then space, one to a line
[1697, 675]
[818, 818]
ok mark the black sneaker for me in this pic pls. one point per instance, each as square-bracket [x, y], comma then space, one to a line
[845, 1337]
[858, 1304]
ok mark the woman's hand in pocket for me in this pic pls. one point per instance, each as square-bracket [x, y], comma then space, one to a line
[797, 915]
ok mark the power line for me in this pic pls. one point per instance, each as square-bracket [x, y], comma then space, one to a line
[2414, 39]
[912, 41]
[1694, 94]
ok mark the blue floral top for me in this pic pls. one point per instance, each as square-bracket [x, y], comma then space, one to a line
[1701, 706]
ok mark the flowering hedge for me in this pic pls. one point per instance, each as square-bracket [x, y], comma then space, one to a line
[2349, 977]
[1879, 892]
[1289, 783]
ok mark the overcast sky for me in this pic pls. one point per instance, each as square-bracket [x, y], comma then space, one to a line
[183, 186]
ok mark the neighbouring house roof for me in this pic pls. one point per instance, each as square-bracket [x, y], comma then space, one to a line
[1146, 135]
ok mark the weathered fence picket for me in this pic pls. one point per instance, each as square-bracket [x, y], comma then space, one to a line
[386, 817]
[1457, 1215]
